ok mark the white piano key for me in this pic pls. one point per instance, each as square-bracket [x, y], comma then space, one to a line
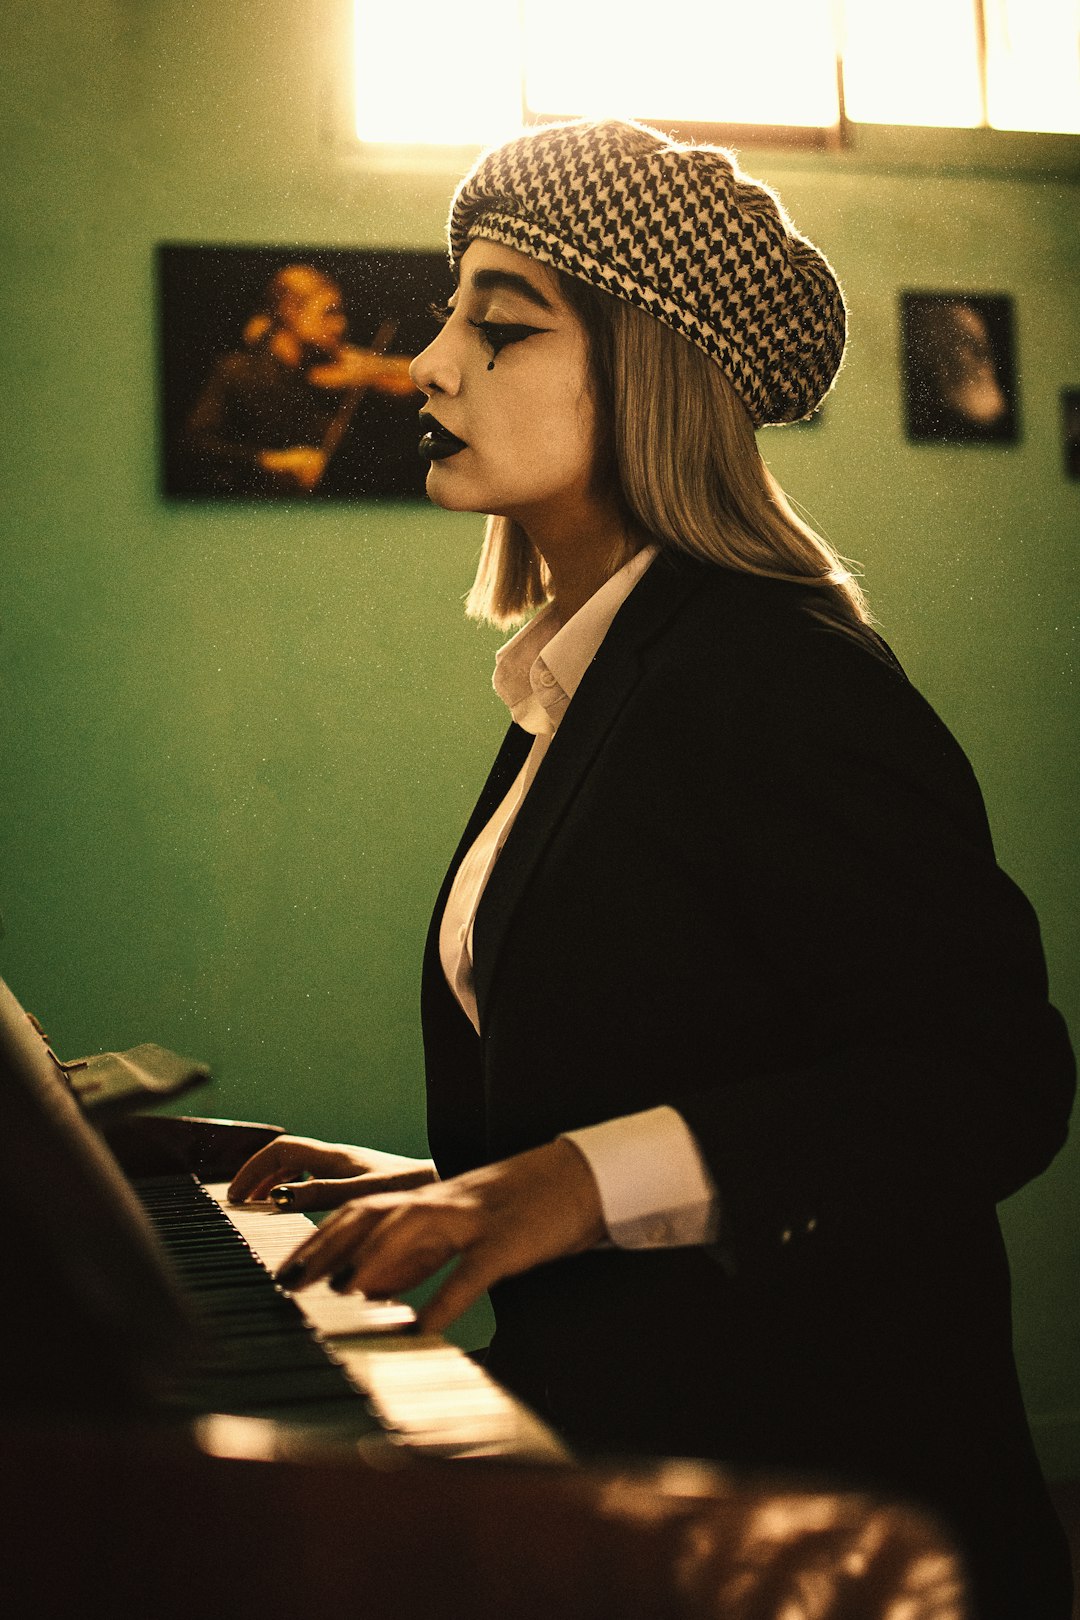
[273, 1234]
[427, 1391]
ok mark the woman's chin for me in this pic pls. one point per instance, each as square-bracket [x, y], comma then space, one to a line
[447, 491]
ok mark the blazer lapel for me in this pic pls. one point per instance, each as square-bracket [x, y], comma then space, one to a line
[508, 762]
[607, 684]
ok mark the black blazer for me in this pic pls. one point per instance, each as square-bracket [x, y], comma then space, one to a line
[754, 879]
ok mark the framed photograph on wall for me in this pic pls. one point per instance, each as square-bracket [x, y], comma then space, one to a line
[1070, 426]
[284, 370]
[959, 362]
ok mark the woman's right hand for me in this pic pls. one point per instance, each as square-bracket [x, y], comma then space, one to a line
[322, 1175]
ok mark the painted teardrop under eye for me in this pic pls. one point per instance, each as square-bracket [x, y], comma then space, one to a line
[496, 334]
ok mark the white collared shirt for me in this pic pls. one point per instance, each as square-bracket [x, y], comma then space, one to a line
[655, 1189]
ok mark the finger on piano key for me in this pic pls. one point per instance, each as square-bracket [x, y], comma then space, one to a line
[273, 1234]
[427, 1394]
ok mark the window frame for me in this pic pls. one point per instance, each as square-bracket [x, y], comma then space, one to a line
[848, 144]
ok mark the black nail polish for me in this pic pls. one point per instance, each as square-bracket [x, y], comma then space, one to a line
[292, 1274]
[282, 1197]
[340, 1281]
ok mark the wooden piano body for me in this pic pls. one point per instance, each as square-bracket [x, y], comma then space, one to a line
[454, 1502]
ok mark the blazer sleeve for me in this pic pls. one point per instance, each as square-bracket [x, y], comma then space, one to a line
[843, 823]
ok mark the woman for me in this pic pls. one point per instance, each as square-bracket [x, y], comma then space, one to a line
[735, 1032]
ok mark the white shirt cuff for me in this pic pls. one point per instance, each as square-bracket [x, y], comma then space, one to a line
[655, 1188]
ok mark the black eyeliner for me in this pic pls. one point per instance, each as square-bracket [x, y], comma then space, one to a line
[499, 333]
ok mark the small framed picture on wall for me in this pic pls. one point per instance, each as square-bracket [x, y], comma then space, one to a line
[1070, 425]
[284, 371]
[959, 363]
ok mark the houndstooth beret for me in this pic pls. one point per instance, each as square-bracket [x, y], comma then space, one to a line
[679, 231]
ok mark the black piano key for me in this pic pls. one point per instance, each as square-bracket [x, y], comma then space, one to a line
[260, 1355]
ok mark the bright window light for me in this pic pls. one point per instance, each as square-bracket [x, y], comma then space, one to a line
[915, 63]
[707, 61]
[1033, 64]
[429, 74]
[426, 75]
[714, 61]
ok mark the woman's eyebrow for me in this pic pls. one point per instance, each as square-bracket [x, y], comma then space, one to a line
[510, 281]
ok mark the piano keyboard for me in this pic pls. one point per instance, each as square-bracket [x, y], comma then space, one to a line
[339, 1361]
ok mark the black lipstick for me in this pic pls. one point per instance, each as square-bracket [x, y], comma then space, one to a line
[437, 442]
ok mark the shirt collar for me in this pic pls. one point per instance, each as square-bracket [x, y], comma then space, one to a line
[540, 668]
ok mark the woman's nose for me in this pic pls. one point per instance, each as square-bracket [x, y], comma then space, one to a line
[434, 371]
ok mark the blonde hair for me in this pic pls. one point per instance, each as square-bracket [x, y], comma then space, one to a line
[679, 452]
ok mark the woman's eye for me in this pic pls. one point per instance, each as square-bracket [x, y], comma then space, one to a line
[441, 312]
[497, 334]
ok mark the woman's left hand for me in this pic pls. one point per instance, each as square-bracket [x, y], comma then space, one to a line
[500, 1219]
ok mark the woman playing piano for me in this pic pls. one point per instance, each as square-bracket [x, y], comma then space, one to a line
[735, 1032]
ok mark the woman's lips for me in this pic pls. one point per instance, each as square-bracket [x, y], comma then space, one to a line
[437, 442]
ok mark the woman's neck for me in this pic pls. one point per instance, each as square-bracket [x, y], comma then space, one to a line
[579, 562]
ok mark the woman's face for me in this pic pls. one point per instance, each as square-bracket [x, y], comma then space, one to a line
[528, 422]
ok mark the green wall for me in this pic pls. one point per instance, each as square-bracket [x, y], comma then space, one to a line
[239, 743]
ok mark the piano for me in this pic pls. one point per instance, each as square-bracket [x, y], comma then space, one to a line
[178, 1283]
[179, 1434]
[305, 1359]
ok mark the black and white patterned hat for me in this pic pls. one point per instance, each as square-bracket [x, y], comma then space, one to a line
[679, 231]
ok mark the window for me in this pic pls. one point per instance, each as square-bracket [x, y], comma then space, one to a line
[1008, 64]
[426, 74]
[915, 63]
[768, 63]
[432, 74]
[1033, 64]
